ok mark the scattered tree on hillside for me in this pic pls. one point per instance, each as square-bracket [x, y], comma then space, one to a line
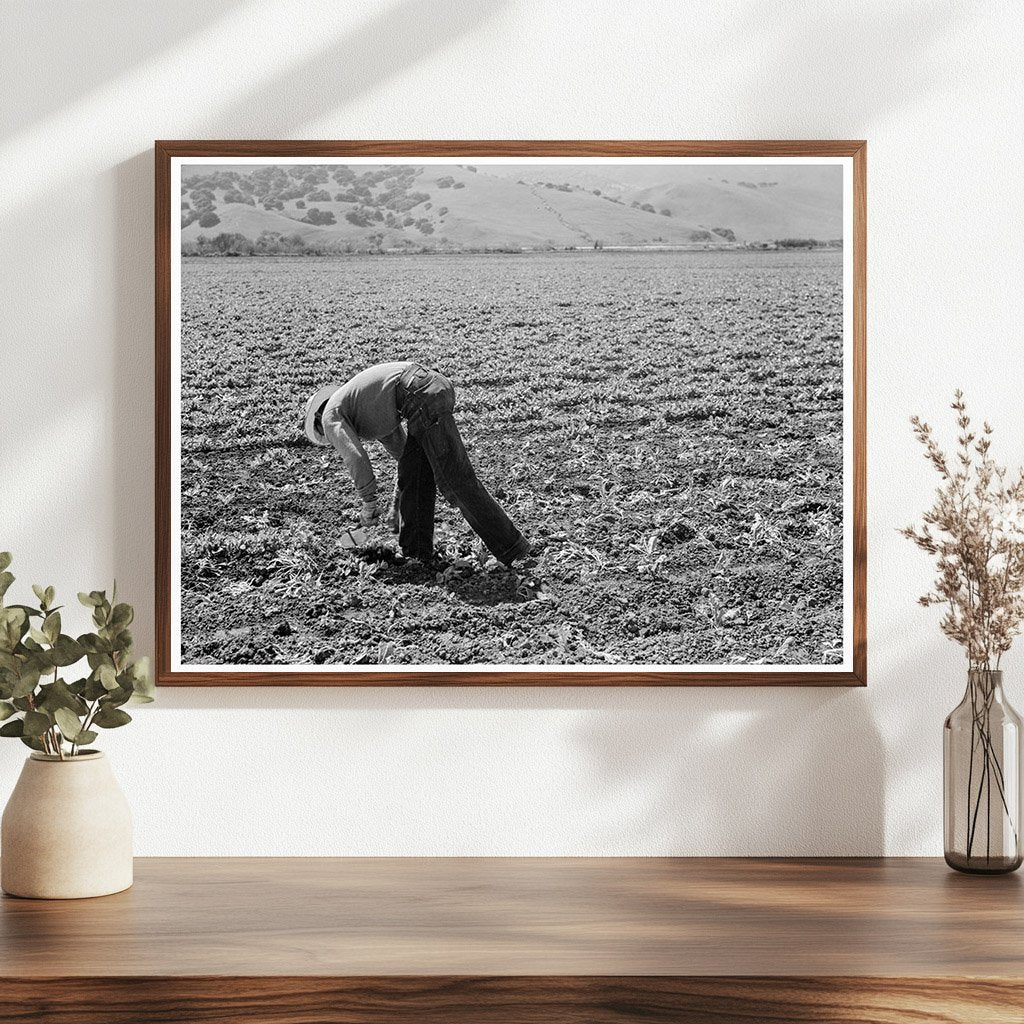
[319, 217]
[209, 219]
[359, 217]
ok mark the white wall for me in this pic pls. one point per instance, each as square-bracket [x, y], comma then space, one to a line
[937, 90]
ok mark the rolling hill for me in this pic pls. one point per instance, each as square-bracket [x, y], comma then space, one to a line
[338, 208]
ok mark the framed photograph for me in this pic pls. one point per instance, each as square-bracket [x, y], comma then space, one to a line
[510, 413]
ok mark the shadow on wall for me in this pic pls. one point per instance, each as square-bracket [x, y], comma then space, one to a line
[133, 385]
[694, 771]
[750, 772]
[892, 47]
[48, 60]
[394, 39]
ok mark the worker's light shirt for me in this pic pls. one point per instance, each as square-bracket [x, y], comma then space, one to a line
[366, 408]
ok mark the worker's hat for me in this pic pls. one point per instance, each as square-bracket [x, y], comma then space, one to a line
[316, 400]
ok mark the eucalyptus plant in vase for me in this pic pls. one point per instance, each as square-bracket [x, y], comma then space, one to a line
[975, 530]
[66, 830]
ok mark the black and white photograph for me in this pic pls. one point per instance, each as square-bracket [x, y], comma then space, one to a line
[520, 413]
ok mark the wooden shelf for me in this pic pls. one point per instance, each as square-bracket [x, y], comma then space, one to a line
[282, 941]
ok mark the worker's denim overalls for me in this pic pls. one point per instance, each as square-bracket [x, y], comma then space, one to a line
[435, 457]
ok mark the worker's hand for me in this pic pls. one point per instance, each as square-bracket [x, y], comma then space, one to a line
[370, 514]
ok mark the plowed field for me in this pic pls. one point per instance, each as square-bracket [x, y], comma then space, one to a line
[666, 425]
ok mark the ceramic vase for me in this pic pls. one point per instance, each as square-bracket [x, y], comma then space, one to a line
[66, 831]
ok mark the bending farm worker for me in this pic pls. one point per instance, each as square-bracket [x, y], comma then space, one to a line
[409, 410]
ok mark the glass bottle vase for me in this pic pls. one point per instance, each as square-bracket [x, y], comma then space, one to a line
[981, 772]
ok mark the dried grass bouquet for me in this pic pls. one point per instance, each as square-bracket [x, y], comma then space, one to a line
[976, 531]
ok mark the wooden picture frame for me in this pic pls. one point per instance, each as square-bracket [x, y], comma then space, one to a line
[169, 157]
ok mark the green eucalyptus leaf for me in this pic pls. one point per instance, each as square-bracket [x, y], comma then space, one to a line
[122, 615]
[59, 695]
[40, 592]
[142, 679]
[88, 600]
[107, 676]
[16, 727]
[36, 723]
[6, 710]
[31, 741]
[94, 689]
[51, 626]
[69, 724]
[22, 703]
[5, 559]
[94, 644]
[67, 651]
[6, 579]
[49, 596]
[38, 635]
[109, 717]
[13, 626]
[115, 698]
[29, 611]
[86, 736]
[27, 682]
[9, 663]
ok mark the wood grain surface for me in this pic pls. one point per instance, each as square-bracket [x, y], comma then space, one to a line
[166, 150]
[519, 1000]
[531, 916]
[522, 939]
